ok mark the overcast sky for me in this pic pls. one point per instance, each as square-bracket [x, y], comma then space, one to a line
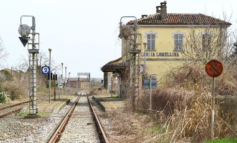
[83, 34]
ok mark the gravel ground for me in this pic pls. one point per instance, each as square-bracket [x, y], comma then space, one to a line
[17, 129]
[81, 127]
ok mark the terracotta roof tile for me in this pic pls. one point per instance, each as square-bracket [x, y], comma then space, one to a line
[180, 19]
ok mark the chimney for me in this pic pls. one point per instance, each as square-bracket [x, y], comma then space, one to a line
[143, 16]
[158, 9]
[163, 13]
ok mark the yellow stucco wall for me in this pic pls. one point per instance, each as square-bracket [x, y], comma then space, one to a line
[161, 68]
[164, 42]
[164, 58]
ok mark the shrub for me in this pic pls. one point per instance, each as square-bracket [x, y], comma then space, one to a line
[15, 90]
[192, 120]
[7, 74]
[2, 99]
[164, 99]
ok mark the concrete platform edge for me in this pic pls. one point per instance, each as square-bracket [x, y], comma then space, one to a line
[100, 105]
[56, 110]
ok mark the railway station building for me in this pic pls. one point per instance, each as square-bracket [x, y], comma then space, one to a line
[154, 44]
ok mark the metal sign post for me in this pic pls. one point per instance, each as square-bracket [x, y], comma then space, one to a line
[150, 96]
[54, 78]
[65, 82]
[212, 107]
[213, 68]
[62, 78]
[59, 91]
[150, 84]
[111, 89]
[49, 74]
[59, 82]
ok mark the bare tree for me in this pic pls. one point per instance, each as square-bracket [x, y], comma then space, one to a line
[212, 43]
[213, 40]
[42, 59]
[3, 52]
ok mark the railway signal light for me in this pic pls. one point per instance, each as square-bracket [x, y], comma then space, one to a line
[24, 31]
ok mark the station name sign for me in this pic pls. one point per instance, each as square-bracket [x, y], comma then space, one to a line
[161, 54]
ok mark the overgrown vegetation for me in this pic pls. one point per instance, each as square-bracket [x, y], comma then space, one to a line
[2, 99]
[14, 89]
[8, 75]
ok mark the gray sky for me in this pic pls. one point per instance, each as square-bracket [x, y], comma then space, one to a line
[83, 34]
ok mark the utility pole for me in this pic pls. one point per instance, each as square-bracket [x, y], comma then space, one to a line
[65, 79]
[69, 81]
[54, 78]
[58, 92]
[144, 68]
[50, 73]
[150, 95]
[62, 78]
[134, 60]
[111, 85]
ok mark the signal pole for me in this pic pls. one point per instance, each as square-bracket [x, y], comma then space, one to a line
[49, 73]
[65, 79]
[54, 78]
[24, 31]
[62, 78]
[69, 81]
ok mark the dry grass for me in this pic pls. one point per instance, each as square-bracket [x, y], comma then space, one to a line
[127, 126]
[183, 107]
[194, 122]
[165, 99]
[188, 76]
[183, 114]
[95, 91]
[15, 90]
[189, 121]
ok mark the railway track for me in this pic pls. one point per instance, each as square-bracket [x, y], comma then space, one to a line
[81, 124]
[9, 107]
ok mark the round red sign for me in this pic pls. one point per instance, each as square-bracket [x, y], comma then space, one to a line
[214, 68]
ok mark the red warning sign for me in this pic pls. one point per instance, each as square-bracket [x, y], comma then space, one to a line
[214, 68]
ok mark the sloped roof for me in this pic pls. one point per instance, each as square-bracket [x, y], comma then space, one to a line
[180, 19]
[114, 61]
[114, 65]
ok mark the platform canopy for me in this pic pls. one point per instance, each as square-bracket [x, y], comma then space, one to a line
[115, 66]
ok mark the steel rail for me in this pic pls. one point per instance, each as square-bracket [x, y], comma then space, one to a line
[56, 136]
[102, 134]
[9, 106]
[7, 113]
